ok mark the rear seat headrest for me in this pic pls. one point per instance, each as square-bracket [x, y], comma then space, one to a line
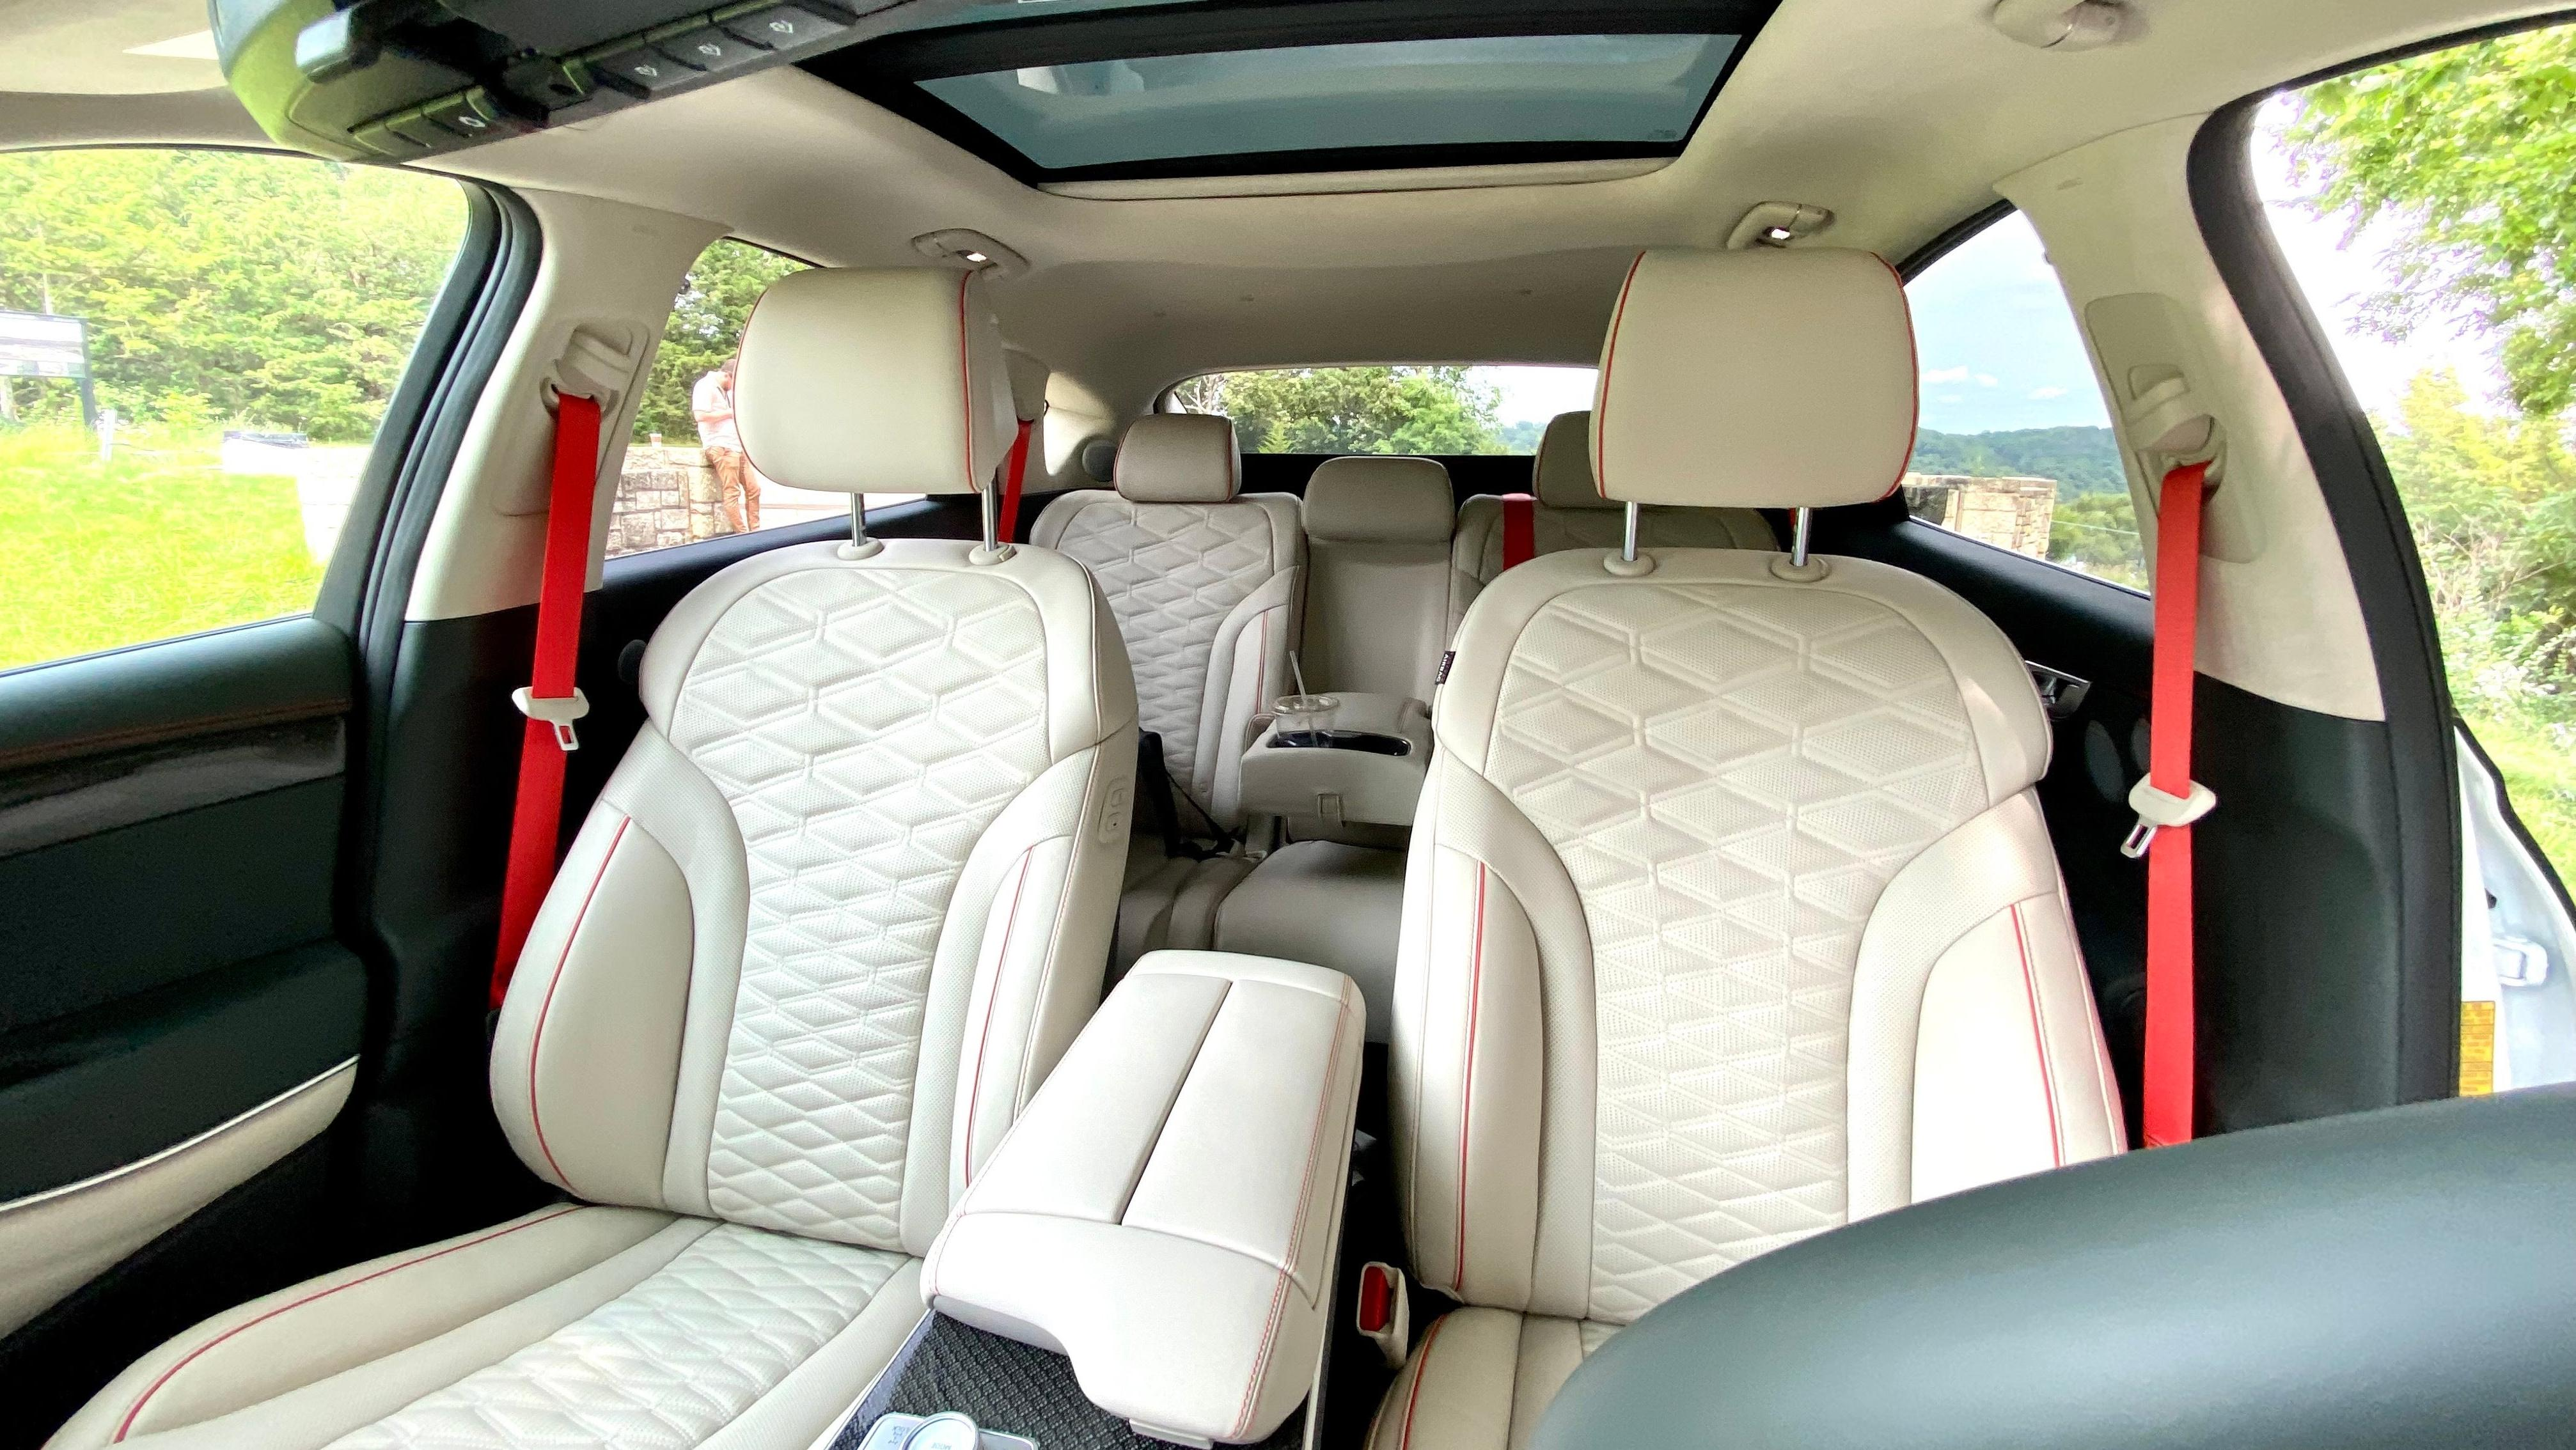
[1380, 500]
[1561, 474]
[1760, 378]
[1178, 458]
[874, 381]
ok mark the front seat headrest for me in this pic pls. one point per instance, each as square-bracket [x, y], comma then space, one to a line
[1379, 499]
[1178, 458]
[1561, 474]
[874, 381]
[1760, 378]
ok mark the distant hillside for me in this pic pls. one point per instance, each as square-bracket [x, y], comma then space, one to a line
[2082, 460]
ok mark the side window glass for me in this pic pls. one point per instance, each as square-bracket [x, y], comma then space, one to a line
[2014, 446]
[685, 477]
[2422, 207]
[195, 349]
[1428, 410]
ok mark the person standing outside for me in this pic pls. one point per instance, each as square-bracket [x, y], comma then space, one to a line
[737, 492]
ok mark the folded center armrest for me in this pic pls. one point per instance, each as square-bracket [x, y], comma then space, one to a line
[1164, 1213]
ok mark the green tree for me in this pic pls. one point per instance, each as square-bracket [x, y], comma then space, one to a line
[2470, 151]
[705, 327]
[2098, 533]
[278, 291]
[1353, 410]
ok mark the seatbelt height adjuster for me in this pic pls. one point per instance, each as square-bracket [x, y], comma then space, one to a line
[2158, 809]
[556, 710]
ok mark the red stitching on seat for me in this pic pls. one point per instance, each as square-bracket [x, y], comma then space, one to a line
[1467, 1097]
[1914, 419]
[538, 1037]
[992, 995]
[1601, 394]
[1297, 1228]
[2039, 1040]
[127, 1424]
[966, 382]
[1421, 1369]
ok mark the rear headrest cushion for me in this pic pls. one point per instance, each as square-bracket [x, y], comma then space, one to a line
[1377, 500]
[1178, 458]
[882, 381]
[1561, 475]
[1760, 378]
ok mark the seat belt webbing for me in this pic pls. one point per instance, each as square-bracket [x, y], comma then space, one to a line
[1015, 468]
[551, 701]
[1520, 529]
[2168, 801]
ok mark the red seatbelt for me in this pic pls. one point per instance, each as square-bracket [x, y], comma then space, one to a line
[1520, 529]
[1014, 468]
[551, 701]
[2167, 802]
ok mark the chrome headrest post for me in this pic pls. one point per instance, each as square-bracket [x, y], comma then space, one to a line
[1798, 539]
[992, 519]
[858, 521]
[1628, 543]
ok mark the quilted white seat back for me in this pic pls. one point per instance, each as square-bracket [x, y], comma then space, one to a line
[843, 901]
[1730, 917]
[1204, 594]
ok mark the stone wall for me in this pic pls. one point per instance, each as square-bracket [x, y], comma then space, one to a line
[2009, 513]
[666, 495]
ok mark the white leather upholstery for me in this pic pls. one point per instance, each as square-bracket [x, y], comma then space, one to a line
[1731, 917]
[1204, 592]
[889, 381]
[1377, 530]
[1569, 513]
[839, 908]
[1820, 413]
[1326, 902]
[1178, 458]
[1167, 1213]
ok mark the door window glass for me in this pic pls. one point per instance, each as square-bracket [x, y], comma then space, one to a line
[2423, 207]
[195, 348]
[685, 477]
[2014, 446]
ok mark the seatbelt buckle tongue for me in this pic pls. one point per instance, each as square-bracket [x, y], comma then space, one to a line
[2158, 809]
[1383, 1314]
[556, 710]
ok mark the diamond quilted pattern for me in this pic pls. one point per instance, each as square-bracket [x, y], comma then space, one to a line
[1731, 775]
[662, 1366]
[1172, 572]
[866, 725]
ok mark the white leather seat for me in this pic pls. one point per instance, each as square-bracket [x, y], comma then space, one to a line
[1203, 580]
[1377, 580]
[841, 905]
[1731, 915]
[1568, 512]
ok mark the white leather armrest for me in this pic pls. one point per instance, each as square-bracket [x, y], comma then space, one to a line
[1165, 1210]
[1329, 788]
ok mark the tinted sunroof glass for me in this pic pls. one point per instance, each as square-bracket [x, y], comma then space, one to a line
[1610, 91]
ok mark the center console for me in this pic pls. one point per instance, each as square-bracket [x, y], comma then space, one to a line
[1148, 1257]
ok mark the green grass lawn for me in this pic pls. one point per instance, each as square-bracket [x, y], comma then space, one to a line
[2540, 777]
[155, 543]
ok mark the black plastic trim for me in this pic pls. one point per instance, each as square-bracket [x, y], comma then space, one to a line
[219, 681]
[887, 70]
[2388, 580]
[1952, 237]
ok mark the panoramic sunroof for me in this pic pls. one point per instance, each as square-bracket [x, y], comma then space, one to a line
[1211, 88]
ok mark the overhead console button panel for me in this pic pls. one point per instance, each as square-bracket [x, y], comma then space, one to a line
[404, 79]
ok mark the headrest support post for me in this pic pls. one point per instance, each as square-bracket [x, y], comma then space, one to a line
[860, 545]
[1798, 538]
[1628, 540]
[995, 549]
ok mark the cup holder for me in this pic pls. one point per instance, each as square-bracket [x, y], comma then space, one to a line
[1366, 740]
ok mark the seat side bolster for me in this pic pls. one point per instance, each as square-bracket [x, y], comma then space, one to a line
[1475, 554]
[586, 1056]
[1946, 925]
[1247, 668]
[1017, 967]
[1494, 1044]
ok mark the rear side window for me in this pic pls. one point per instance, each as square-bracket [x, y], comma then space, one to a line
[2424, 208]
[195, 349]
[2014, 445]
[1427, 410]
[686, 477]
